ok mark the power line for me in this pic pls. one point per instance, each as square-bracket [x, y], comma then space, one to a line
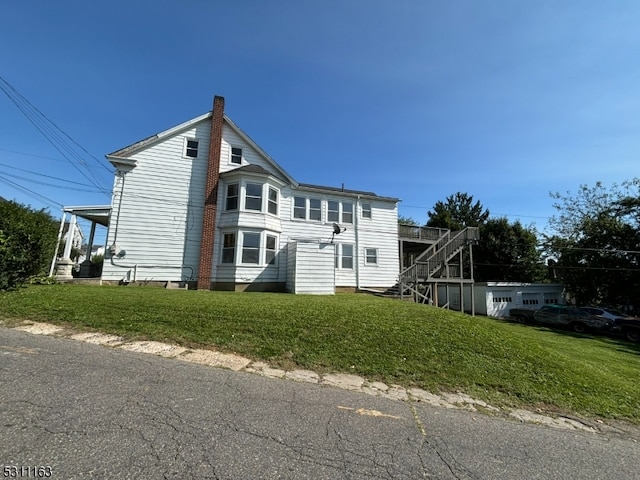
[43, 175]
[49, 184]
[31, 193]
[54, 134]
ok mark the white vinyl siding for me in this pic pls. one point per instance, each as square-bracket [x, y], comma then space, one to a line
[159, 225]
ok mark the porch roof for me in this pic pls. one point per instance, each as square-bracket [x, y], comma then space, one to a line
[95, 213]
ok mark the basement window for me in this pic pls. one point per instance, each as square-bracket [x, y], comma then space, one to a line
[191, 148]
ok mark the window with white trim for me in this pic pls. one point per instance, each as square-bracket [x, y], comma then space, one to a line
[300, 208]
[347, 212]
[305, 208]
[315, 209]
[344, 256]
[229, 248]
[253, 197]
[371, 256]
[270, 250]
[190, 148]
[333, 211]
[250, 247]
[236, 155]
[366, 210]
[272, 201]
[232, 197]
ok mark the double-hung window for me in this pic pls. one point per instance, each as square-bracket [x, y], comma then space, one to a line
[272, 206]
[229, 248]
[232, 197]
[333, 211]
[371, 256]
[236, 155]
[307, 208]
[344, 256]
[253, 197]
[315, 209]
[270, 250]
[347, 212]
[300, 208]
[250, 247]
[191, 148]
[366, 210]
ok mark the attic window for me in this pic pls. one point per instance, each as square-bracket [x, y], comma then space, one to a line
[191, 148]
[236, 155]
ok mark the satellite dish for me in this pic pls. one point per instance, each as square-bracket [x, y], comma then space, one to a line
[337, 230]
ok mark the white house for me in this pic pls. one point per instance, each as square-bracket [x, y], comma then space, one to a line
[201, 202]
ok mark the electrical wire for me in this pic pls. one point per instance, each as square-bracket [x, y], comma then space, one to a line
[54, 134]
[31, 193]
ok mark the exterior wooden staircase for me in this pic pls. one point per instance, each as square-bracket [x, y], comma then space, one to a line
[447, 261]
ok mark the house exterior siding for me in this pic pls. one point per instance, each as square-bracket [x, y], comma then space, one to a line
[158, 202]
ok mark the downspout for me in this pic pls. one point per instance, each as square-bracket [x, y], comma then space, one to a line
[115, 232]
[357, 253]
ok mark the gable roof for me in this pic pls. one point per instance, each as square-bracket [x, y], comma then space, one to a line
[129, 150]
[121, 157]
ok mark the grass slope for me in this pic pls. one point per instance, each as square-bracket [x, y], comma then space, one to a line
[380, 339]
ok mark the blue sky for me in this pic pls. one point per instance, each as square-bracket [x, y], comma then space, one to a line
[506, 100]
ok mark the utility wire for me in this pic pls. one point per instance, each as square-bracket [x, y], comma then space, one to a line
[32, 193]
[93, 190]
[43, 175]
[54, 134]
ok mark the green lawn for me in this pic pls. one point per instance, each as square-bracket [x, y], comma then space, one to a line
[396, 342]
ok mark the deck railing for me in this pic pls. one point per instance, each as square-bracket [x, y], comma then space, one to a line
[412, 232]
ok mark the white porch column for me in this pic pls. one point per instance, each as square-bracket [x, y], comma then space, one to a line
[64, 266]
[70, 234]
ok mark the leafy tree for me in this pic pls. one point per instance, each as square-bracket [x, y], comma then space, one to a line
[596, 242]
[457, 212]
[507, 252]
[27, 243]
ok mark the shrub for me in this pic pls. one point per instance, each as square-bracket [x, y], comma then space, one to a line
[27, 243]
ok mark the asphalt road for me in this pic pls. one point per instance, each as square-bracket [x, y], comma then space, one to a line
[89, 411]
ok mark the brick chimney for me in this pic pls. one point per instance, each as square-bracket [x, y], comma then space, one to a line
[211, 196]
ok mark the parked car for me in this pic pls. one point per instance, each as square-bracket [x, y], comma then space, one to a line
[622, 323]
[608, 313]
[522, 315]
[575, 318]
